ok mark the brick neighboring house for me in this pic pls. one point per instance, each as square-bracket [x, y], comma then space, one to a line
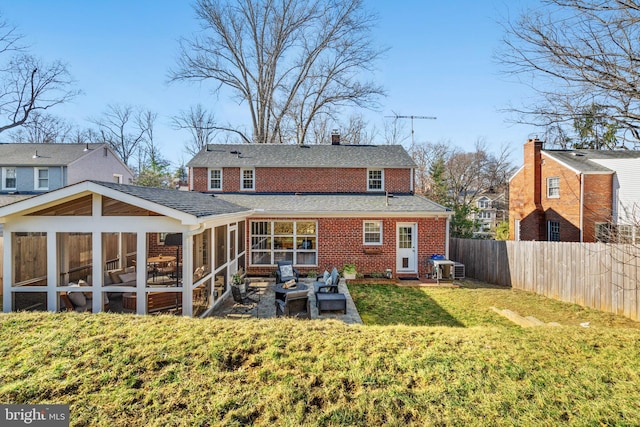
[573, 195]
[38, 168]
[326, 205]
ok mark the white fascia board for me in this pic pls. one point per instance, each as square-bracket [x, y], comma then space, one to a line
[86, 187]
[516, 173]
[42, 200]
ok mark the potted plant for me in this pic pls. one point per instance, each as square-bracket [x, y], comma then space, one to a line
[349, 271]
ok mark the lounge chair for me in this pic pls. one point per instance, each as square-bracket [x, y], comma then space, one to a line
[296, 304]
[327, 282]
[286, 272]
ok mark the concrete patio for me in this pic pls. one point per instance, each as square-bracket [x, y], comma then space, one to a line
[264, 306]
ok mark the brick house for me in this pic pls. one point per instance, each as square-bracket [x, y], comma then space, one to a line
[326, 205]
[573, 195]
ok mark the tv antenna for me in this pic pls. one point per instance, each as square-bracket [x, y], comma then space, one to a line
[412, 117]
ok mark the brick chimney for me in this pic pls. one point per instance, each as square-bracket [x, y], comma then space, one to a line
[335, 137]
[533, 184]
[533, 169]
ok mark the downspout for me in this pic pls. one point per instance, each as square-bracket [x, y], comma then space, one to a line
[446, 244]
[581, 207]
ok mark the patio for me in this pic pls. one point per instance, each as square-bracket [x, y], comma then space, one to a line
[264, 307]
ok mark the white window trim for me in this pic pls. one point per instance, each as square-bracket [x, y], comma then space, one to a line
[369, 179]
[36, 179]
[549, 196]
[209, 179]
[4, 176]
[364, 229]
[118, 177]
[272, 250]
[253, 179]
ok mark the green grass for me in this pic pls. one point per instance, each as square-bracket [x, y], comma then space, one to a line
[468, 306]
[474, 368]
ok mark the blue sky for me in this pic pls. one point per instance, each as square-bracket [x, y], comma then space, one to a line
[440, 63]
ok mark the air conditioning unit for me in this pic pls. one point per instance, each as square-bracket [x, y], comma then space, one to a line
[458, 271]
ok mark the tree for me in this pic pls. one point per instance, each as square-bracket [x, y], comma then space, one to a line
[456, 179]
[27, 84]
[124, 128]
[200, 124]
[290, 61]
[42, 128]
[578, 54]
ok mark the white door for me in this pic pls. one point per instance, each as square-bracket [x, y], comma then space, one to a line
[406, 250]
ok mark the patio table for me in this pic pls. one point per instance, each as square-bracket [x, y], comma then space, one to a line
[281, 292]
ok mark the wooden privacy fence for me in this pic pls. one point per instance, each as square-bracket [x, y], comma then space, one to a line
[596, 275]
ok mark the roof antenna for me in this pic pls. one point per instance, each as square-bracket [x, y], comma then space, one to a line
[86, 148]
[35, 156]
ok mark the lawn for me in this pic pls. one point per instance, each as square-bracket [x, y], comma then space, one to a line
[473, 368]
[469, 306]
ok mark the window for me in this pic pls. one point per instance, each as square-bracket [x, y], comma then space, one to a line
[117, 178]
[484, 215]
[215, 179]
[375, 181]
[247, 179]
[373, 232]
[553, 228]
[273, 241]
[41, 179]
[8, 178]
[553, 187]
[484, 203]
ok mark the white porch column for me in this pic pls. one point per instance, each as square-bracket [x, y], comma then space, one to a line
[141, 272]
[96, 250]
[7, 271]
[187, 274]
[96, 273]
[52, 268]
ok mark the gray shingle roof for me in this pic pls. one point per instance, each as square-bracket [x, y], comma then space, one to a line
[300, 156]
[48, 154]
[581, 160]
[193, 203]
[334, 203]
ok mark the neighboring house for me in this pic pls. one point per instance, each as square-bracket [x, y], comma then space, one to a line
[98, 234]
[491, 210]
[38, 168]
[575, 195]
[321, 206]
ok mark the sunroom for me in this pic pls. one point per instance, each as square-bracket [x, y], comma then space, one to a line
[97, 246]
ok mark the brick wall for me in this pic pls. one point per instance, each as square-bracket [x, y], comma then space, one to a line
[598, 202]
[306, 180]
[529, 203]
[340, 241]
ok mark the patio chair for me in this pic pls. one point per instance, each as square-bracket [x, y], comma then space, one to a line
[286, 272]
[238, 296]
[327, 282]
[296, 304]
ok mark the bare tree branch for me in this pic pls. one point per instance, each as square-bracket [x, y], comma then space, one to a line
[579, 56]
[290, 61]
